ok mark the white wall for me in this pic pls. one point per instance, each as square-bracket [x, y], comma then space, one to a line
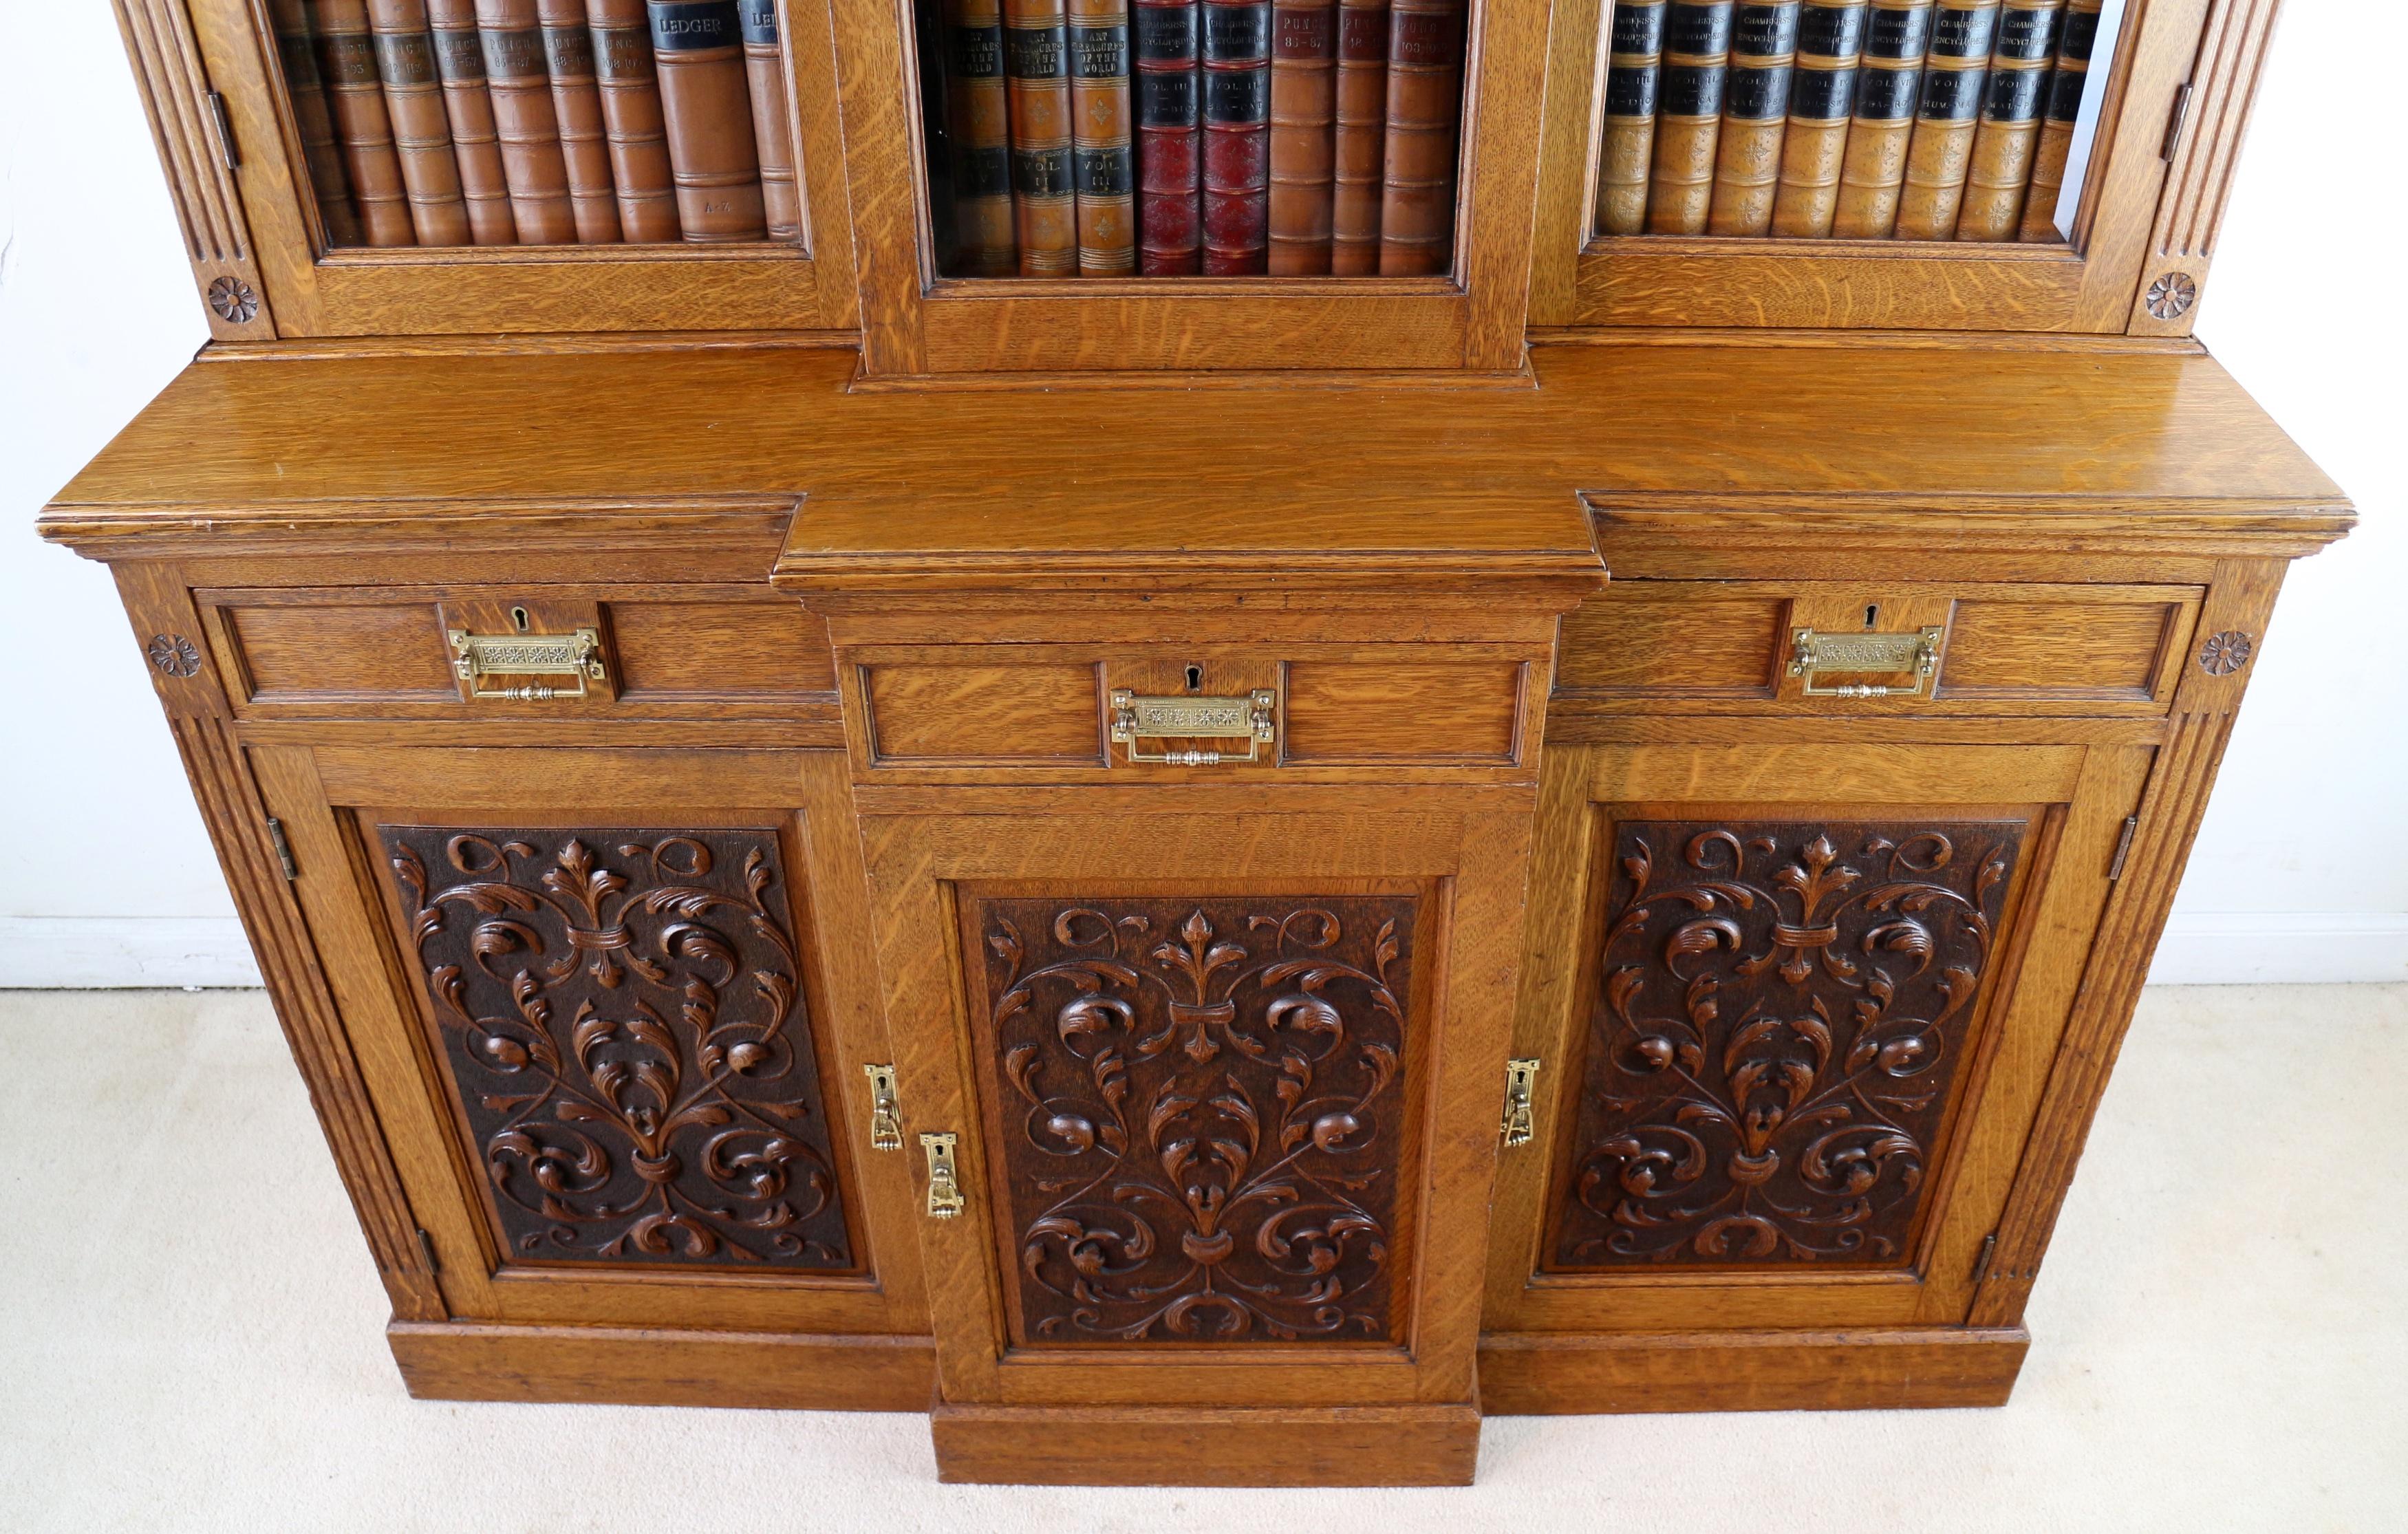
[2302, 872]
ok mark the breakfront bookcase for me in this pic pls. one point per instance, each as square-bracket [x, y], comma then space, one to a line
[1203, 874]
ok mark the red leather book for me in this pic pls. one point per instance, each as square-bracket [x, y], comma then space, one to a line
[1304, 111]
[518, 81]
[631, 114]
[1170, 137]
[1237, 136]
[773, 133]
[460, 59]
[347, 61]
[698, 49]
[1360, 142]
[1424, 110]
[421, 135]
[1037, 83]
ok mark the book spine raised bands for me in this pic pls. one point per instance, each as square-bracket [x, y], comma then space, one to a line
[979, 120]
[1360, 142]
[421, 134]
[2000, 169]
[773, 135]
[518, 81]
[296, 52]
[1822, 95]
[1627, 144]
[1037, 80]
[1896, 35]
[577, 104]
[631, 113]
[347, 61]
[1304, 113]
[1424, 108]
[1942, 147]
[1169, 147]
[1103, 163]
[698, 49]
[1237, 133]
[1689, 115]
[1756, 109]
[2076, 38]
[459, 60]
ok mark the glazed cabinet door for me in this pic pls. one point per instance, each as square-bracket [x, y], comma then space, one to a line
[613, 1009]
[1793, 1006]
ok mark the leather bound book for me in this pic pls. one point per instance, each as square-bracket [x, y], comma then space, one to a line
[476, 148]
[1425, 116]
[518, 81]
[1756, 111]
[1689, 115]
[1304, 114]
[1361, 141]
[347, 61]
[978, 120]
[1037, 80]
[297, 51]
[773, 130]
[2077, 36]
[1169, 139]
[1887, 84]
[421, 134]
[1941, 148]
[577, 107]
[631, 114]
[1237, 136]
[698, 52]
[1822, 95]
[1103, 163]
[2002, 141]
[1626, 143]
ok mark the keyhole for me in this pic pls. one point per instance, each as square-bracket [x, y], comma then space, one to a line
[518, 619]
[1194, 679]
[1873, 612]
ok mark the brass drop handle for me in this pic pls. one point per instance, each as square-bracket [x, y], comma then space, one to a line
[885, 1113]
[476, 656]
[1521, 1121]
[1812, 652]
[944, 1183]
[1251, 718]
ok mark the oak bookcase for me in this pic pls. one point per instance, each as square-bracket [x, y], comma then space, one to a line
[1205, 878]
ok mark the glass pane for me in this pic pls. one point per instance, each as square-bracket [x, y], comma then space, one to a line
[543, 122]
[1850, 119]
[1191, 137]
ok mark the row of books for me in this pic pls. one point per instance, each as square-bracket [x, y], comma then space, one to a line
[542, 122]
[1292, 137]
[1842, 119]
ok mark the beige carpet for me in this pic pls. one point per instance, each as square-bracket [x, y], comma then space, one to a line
[189, 1334]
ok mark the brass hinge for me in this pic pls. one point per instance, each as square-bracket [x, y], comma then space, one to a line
[2174, 123]
[426, 1250]
[1520, 1121]
[885, 1115]
[283, 849]
[224, 124]
[1982, 1263]
[2122, 847]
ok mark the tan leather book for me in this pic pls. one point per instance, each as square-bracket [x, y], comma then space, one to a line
[2000, 169]
[1103, 160]
[577, 107]
[421, 134]
[630, 89]
[773, 132]
[296, 53]
[1626, 143]
[518, 82]
[1689, 115]
[1897, 33]
[1304, 116]
[978, 119]
[698, 49]
[347, 61]
[1822, 95]
[1942, 148]
[1360, 140]
[1756, 112]
[2077, 37]
[476, 148]
[1037, 87]
[1425, 116]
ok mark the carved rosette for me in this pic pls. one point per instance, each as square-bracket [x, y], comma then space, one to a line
[1200, 1104]
[1783, 1012]
[173, 655]
[622, 1016]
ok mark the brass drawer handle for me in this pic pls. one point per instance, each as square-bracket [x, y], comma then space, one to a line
[944, 1185]
[1919, 653]
[1191, 716]
[476, 656]
[1521, 1119]
[886, 1113]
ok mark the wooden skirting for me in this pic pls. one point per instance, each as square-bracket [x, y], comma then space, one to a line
[450, 1360]
[1533, 1373]
[1204, 1446]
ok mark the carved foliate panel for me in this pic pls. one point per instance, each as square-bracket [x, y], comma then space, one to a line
[1201, 1104]
[1783, 1011]
[622, 1016]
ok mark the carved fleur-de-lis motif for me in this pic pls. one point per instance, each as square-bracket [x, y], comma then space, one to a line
[1206, 1151]
[626, 1032]
[1777, 1029]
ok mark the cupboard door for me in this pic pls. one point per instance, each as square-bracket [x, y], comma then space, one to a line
[1788, 1076]
[614, 1011]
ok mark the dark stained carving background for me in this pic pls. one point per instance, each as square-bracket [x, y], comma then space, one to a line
[1783, 1011]
[623, 1018]
[1201, 1102]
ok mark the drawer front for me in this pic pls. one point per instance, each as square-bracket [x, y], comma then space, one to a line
[360, 652]
[1114, 713]
[1765, 647]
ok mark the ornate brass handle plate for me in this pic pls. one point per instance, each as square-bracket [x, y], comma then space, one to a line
[944, 1183]
[1813, 653]
[885, 1113]
[1189, 716]
[477, 656]
[1520, 1118]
